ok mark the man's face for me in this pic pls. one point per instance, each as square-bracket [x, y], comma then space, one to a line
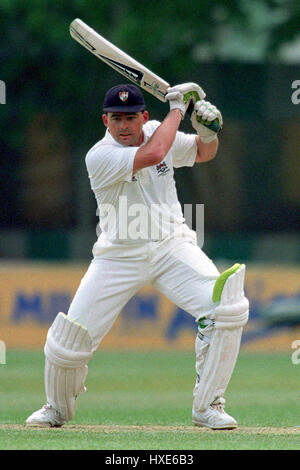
[126, 128]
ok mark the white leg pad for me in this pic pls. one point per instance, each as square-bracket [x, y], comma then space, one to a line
[202, 345]
[68, 349]
[217, 361]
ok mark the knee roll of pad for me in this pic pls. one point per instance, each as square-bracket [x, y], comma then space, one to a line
[68, 344]
[233, 308]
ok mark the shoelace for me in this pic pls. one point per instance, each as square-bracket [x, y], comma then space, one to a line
[218, 406]
[49, 407]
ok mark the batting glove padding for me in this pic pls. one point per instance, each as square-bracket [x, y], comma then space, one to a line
[180, 96]
[205, 114]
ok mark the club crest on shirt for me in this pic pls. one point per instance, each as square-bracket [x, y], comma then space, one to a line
[123, 95]
[162, 169]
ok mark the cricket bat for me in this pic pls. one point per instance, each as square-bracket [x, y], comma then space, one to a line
[123, 63]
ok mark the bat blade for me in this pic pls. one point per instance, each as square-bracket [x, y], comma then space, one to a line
[124, 64]
[118, 60]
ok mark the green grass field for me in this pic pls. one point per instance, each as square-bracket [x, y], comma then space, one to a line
[142, 400]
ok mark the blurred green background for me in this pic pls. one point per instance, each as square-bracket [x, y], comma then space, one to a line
[246, 56]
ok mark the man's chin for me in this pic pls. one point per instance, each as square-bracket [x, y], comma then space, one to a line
[127, 140]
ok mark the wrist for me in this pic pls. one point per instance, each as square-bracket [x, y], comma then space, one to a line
[177, 112]
[208, 139]
[179, 106]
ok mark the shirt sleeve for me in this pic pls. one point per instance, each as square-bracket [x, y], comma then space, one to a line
[184, 150]
[107, 165]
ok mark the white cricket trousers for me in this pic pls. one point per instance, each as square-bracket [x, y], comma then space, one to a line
[177, 268]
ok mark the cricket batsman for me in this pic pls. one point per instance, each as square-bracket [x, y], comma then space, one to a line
[131, 169]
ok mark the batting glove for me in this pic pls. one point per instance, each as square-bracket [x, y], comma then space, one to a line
[203, 115]
[180, 96]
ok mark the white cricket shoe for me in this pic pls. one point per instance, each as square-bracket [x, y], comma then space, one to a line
[46, 417]
[214, 417]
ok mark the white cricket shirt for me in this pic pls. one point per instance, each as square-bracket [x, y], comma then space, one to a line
[143, 207]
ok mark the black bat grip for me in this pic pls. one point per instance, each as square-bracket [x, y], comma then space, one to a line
[213, 126]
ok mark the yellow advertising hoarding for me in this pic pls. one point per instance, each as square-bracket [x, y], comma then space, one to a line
[32, 294]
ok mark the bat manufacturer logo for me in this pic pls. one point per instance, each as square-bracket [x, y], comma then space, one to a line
[130, 72]
[123, 95]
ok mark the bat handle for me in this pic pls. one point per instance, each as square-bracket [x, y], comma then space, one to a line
[212, 125]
